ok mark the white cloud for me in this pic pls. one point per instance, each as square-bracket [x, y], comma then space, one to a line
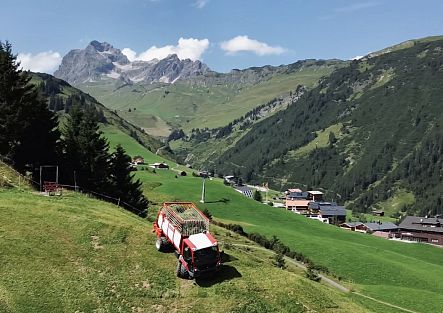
[200, 3]
[244, 43]
[189, 48]
[46, 62]
[358, 57]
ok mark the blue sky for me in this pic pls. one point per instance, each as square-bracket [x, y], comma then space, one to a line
[224, 34]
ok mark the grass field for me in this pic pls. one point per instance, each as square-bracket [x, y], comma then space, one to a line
[389, 271]
[77, 254]
[386, 270]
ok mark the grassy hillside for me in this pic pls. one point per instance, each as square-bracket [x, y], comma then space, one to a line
[61, 96]
[386, 270]
[190, 105]
[77, 254]
[10, 178]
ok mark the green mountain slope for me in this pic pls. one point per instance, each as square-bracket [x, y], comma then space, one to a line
[210, 101]
[376, 267]
[384, 113]
[75, 253]
[61, 96]
[385, 270]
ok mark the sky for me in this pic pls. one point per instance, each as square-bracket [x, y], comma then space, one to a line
[225, 34]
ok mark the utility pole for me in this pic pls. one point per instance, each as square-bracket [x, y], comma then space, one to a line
[202, 200]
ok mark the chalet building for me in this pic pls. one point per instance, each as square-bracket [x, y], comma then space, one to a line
[352, 226]
[299, 206]
[378, 213]
[327, 212]
[297, 195]
[385, 227]
[421, 229]
[297, 200]
[138, 160]
[159, 166]
[246, 191]
[372, 228]
[293, 190]
[314, 195]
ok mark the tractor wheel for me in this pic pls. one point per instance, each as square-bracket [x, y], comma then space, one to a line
[181, 271]
[161, 243]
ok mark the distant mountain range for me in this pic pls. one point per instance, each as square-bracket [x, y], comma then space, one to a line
[167, 94]
[101, 61]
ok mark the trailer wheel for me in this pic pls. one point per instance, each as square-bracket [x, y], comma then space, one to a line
[161, 243]
[181, 271]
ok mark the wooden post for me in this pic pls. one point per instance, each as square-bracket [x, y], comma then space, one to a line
[118, 204]
[41, 179]
[202, 200]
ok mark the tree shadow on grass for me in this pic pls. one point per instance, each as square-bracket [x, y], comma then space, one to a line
[226, 273]
[222, 200]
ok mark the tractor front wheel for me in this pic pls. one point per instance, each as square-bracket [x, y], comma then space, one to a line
[181, 271]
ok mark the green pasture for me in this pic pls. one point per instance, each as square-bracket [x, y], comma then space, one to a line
[386, 270]
[77, 254]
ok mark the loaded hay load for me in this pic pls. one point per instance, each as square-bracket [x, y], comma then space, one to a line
[186, 217]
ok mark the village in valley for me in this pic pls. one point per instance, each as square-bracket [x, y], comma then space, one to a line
[311, 204]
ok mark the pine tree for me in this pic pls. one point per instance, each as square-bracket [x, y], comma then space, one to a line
[28, 130]
[85, 151]
[123, 184]
[257, 196]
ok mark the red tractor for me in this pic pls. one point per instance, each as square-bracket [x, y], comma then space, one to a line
[186, 228]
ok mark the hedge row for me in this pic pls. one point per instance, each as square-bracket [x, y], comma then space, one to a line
[275, 245]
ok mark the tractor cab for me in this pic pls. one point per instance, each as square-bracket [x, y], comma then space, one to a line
[200, 254]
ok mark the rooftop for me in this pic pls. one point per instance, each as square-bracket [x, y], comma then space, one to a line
[243, 188]
[381, 226]
[352, 224]
[294, 190]
[315, 192]
[432, 224]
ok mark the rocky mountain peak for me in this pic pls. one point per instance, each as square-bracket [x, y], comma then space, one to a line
[100, 60]
[100, 46]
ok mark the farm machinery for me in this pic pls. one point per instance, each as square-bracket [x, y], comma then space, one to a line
[183, 226]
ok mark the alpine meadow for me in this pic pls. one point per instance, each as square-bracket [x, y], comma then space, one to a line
[221, 156]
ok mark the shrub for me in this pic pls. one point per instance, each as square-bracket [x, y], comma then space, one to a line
[279, 261]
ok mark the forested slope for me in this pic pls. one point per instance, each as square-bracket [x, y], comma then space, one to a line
[382, 116]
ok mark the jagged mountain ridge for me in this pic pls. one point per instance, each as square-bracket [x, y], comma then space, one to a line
[100, 61]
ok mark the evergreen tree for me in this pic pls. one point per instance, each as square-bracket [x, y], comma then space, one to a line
[257, 196]
[85, 150]
[28, 130]
[122, 182]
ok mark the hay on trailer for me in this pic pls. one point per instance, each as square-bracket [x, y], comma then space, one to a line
[186, 217]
